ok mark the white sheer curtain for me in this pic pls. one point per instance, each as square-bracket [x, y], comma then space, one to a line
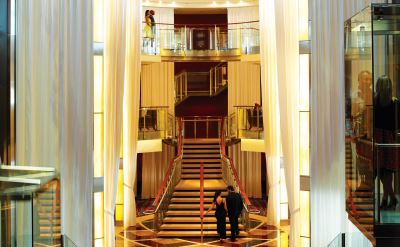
[114, 70]
[327, 118]
[248, 166]
[55, 102]
[158, 85]
[236, 15]
[131, 107]
[244, 84]
[38, 77]
[154, 168]
[270, 104]
[287, 40]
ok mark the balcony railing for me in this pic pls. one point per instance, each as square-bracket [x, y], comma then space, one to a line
[246, 122]
[184, 40]
[207, 83]
[156, 123]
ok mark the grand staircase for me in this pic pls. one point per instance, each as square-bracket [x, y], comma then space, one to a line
[48, 232]
[362, 199]
[183, 215]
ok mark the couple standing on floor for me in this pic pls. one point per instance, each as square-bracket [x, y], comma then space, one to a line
[231, 205]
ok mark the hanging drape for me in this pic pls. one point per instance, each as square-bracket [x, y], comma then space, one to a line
[244, 84]
[55, 103]
[131, 107]
[270, 106]
[287, 40]
[158, 85]
[114, 70]
[38, 72]
[327, 116]
[248, 166]
[154, 168]
[240, 15]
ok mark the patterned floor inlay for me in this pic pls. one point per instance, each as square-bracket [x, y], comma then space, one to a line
[260, 235]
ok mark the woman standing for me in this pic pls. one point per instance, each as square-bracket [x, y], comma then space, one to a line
[387, 124]
[220, 213]
[148, 32]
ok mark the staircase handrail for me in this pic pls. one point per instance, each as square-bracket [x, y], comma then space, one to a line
[167, 183]
[246, 202]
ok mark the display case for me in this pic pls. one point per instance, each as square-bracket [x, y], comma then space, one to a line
[372, 113]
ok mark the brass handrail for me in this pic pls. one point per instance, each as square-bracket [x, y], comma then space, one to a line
[171, 179]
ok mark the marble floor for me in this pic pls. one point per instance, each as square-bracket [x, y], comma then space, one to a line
[261, 234]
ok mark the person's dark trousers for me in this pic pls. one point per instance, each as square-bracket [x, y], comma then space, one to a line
[234, 227]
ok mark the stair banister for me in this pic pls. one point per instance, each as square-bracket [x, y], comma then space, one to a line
[172, 177]
[231, 176]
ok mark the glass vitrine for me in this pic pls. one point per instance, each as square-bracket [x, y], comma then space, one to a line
[372, 110]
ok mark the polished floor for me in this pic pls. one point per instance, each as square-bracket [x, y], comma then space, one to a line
[260, 235]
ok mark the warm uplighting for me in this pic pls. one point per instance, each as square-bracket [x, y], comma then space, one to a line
[303, 20]
[304, 143]
[283, 195]
[305, 218]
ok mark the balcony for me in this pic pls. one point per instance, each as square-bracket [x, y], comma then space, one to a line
[245, 125]
[209, 83]
[201, 42]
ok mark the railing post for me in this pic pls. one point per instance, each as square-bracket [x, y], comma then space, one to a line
[211, 76]
[215, 38]
[185, 40]
[207, 128]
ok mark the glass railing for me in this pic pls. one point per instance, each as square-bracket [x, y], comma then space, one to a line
[30, 206]
[208, 83]
[67, 242]
[338, 241]
[188, 40]
[201, 127]
[246, 122]
[156, 123]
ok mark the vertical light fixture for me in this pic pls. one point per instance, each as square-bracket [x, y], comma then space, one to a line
[304, 128]
[98, 124]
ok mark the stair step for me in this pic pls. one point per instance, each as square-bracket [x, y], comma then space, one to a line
[201, 151]
[198, 161]
[48, 228]
[200, 146]
[51, 236]
[188, 213]
[201, 141]
[197, 176]
[191, 200]
[183, 220]
[201, 156]
[176, 206]
[197, 171]
[45, 222]
[48, 215]
[366, 221]
[188, 227]
[196, 194]
[206, 233]
[197, 166]
[363, 200]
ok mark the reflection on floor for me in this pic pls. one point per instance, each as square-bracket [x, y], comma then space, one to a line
[260, 235]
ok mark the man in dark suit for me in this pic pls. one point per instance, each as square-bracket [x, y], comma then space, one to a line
[234, 204]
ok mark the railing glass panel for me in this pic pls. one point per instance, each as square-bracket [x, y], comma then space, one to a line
[206, 83]
[185, 40]
[246, 122]
[155, 123]
[30, 206]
